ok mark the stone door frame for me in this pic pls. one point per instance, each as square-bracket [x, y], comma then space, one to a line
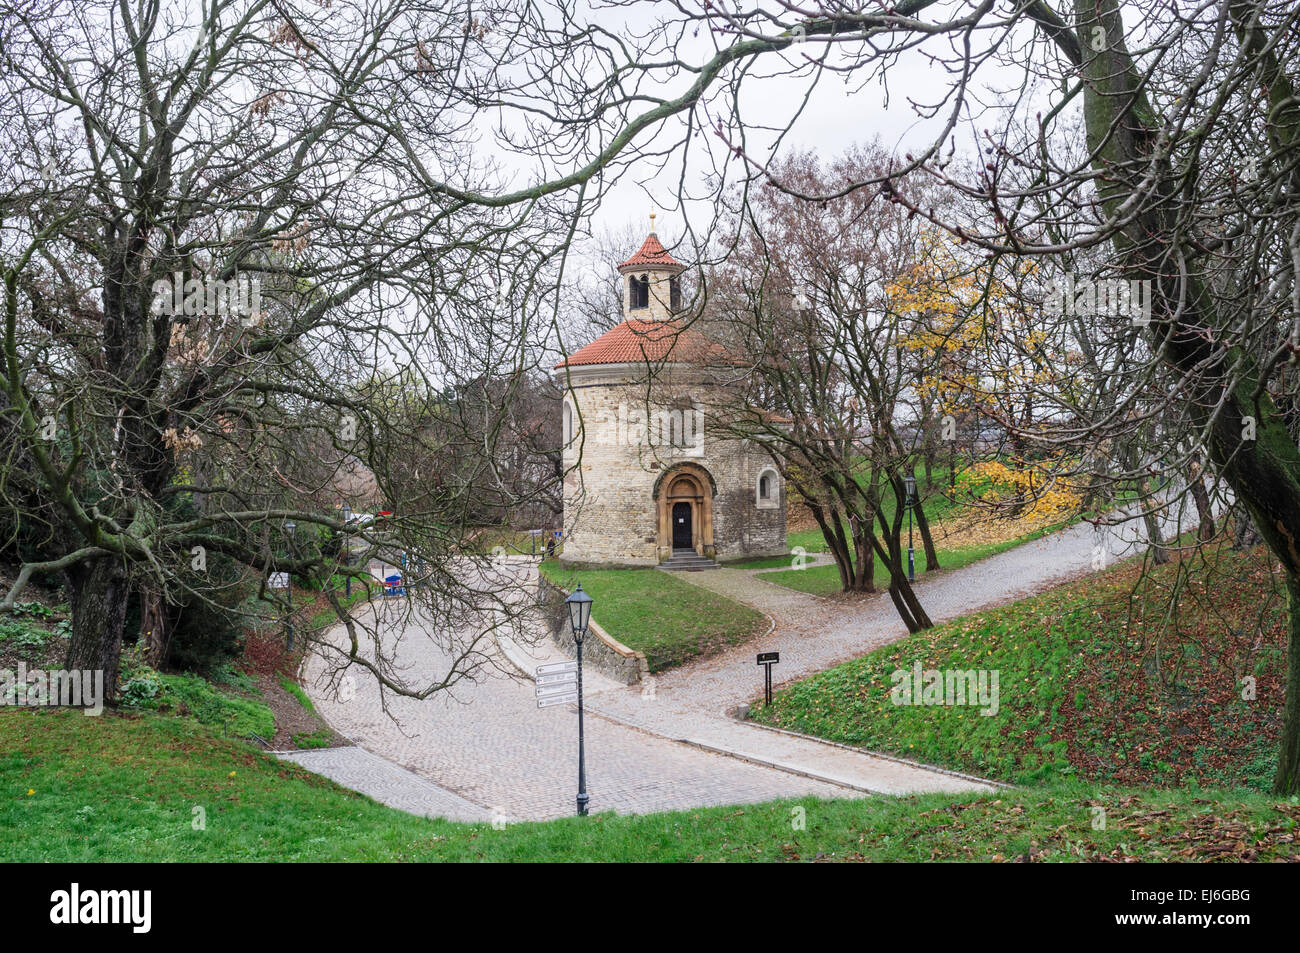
[686, 483]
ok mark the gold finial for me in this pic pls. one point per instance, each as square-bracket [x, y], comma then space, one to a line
[652, 221]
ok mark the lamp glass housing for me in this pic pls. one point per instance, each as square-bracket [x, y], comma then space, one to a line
[579, 604]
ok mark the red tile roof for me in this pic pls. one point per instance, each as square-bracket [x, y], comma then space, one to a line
[652, 253]
[641, 341]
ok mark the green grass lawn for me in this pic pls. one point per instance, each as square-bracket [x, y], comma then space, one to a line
[936, 498]
[671, 621]
[825, 580]
[152, 788]
[296, 690]
[1096, 679]
[939, 503]
[191, 696]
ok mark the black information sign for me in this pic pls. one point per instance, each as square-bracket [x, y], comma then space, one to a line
[767, 660]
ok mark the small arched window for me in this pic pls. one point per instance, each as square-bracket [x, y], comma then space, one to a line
[640, 291]
[567, 424]
[675, 294]
[766, 492]
[765, 486]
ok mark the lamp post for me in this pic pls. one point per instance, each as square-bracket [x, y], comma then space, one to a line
[347, 549]
[289, 530]
[909, 482]
[579, 616]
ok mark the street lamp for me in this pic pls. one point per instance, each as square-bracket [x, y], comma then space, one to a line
[579, 617]
[289, 530]
[347, 548]
[909, 482]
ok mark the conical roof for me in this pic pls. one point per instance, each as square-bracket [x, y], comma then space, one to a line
[652, 252]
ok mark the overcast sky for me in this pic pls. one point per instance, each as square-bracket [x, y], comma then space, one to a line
[843, 109]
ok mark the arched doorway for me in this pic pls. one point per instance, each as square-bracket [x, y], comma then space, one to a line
[684, 495]
[683, 537]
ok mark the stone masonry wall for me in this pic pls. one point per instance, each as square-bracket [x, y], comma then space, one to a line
[610, 514]
[626, 667]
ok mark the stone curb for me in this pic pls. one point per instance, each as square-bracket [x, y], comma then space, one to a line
[513, 654]
[921, 765]
[779, 766]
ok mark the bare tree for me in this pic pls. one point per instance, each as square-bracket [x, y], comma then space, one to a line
[1183, 185]
[246, 254]
[828, 381]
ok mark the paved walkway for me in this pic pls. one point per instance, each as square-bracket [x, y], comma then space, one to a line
[813, 634]
[669, 743]
[487, 743]
[387, 783]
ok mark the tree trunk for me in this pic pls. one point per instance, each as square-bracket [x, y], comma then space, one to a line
[1159, 555]
[929, 451]
[155, 626]
[1287, 778]
[1202, 500]
[835, 541]
[864, 568]
[900, 605]
[97, 596]
[1155, 539]
[927, 541]
[1123, 137]
[900, 590]
[1244, 535]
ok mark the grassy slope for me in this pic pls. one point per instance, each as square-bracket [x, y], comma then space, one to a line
[936, 498]
[113, 788]
[655, 612]
[1096, 678]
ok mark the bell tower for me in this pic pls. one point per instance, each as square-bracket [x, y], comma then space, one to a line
[652, 284]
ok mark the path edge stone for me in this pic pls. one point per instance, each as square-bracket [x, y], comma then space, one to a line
[920, 765]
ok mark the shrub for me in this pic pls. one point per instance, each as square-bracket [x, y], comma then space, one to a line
[141, 690]
[22, 635]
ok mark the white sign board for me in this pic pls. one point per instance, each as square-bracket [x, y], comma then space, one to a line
[279, 580]
[569, 699]
[559, 678]
[551, 668]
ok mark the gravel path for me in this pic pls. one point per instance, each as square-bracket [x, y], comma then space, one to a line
[488, 744]
[668, 743]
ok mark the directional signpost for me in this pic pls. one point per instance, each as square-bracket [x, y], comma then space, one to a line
[557, 684]
[557, 668]
[767, 660]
